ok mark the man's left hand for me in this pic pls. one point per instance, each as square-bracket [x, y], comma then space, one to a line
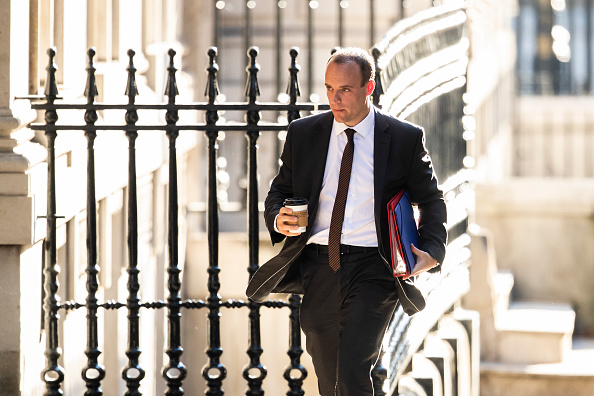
[424, 262]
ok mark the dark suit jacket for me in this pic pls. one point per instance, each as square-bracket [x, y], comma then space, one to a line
[400, 161]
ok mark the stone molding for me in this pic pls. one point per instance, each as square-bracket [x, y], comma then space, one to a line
[551, 197]
[17, 156]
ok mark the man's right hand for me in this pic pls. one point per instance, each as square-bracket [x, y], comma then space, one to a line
[286, 223]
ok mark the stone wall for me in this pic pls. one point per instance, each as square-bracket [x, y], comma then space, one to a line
[544, 234]
[554, 137]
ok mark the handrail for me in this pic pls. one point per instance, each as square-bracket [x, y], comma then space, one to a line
[422, 61]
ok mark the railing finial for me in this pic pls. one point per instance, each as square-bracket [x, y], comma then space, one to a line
[91, 87]
[379, 89]
[51, 88]
[293, 88]
[212, 86]
[131, 87]
[171, 90]
[252, 89]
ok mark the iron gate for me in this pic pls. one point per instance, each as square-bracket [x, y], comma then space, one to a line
[175, 372]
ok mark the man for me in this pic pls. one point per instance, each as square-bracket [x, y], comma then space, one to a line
[348, 302]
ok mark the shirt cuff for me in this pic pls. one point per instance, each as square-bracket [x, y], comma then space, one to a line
[274, 224]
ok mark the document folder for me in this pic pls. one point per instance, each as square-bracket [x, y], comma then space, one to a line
[403, 232]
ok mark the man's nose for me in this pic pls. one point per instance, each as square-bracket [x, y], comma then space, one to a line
[336, 97]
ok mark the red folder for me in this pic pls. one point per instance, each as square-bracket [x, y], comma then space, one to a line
[403, 232]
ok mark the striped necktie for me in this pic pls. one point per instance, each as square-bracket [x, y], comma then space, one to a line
[337, 218]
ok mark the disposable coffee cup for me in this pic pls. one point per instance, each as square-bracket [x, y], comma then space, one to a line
[299, 207]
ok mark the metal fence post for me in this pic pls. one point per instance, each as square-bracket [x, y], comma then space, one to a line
[175, 372]
[254, 372]
[133, 373]
[53, 374]
[214, 372]
[94, 372]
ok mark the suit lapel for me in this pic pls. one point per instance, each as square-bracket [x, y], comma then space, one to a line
[319, 153]
[381, 150]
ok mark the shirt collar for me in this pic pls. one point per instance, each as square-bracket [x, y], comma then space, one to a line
[363, 128]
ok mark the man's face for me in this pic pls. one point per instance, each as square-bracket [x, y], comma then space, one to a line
[349, 101]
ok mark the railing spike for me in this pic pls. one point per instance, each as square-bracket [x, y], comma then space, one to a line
[171, 90]
[293, 88]
[212, 86]
[379, 89]
[252, 89]
[91, 87]
[51, 88]
[334, 50]
[131, 87]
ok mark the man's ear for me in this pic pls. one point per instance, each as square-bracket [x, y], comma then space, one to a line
[370, 87]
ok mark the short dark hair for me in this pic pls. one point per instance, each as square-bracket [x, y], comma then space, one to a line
[360, 57]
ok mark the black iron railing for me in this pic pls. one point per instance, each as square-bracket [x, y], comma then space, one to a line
[421, 76]
[175, 372]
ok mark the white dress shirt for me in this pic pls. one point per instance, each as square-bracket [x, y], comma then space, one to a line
[358, 227]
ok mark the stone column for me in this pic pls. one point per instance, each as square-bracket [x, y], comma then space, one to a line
[17, 158]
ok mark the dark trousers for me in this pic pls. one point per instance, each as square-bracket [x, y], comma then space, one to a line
[344, 316]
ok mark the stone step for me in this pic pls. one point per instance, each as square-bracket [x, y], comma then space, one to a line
[503, 283]
[532, 333]
[573, 376]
